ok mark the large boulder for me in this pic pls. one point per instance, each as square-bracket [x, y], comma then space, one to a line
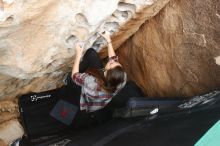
[37, 37]
[37, 43]
[176, 53]
[10, 131]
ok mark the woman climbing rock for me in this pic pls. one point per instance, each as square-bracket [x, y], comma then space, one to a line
[97, 84]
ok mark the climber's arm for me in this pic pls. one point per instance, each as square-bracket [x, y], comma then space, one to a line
[111, 51]
[79, 52]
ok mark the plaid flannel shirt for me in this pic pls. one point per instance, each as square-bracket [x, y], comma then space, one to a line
[92, 97]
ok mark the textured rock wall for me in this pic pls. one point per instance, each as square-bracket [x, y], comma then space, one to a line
[177, 52]
[37, 37]
[174, 53]
[9, 131]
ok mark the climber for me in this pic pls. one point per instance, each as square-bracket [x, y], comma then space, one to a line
[97, 84]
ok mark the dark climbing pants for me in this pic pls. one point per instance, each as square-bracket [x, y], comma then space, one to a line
[90, 59]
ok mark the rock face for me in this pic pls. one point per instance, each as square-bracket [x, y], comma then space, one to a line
[8, 111]
[176, 53]
[37, 37]
[10, 128]
[37, 43]
[9, 131]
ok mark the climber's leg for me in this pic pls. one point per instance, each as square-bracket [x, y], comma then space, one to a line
[91, 59]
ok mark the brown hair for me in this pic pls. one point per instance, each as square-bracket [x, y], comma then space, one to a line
[114, 77]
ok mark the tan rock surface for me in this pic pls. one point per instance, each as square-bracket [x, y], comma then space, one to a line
[8, 111]
[9, 131]
[2, 143]
[10, 128]
[176, 52]
[37, 37]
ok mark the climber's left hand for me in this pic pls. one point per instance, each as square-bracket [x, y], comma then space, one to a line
[106, 35]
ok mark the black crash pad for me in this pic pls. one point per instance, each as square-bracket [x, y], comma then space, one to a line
[183, 128]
